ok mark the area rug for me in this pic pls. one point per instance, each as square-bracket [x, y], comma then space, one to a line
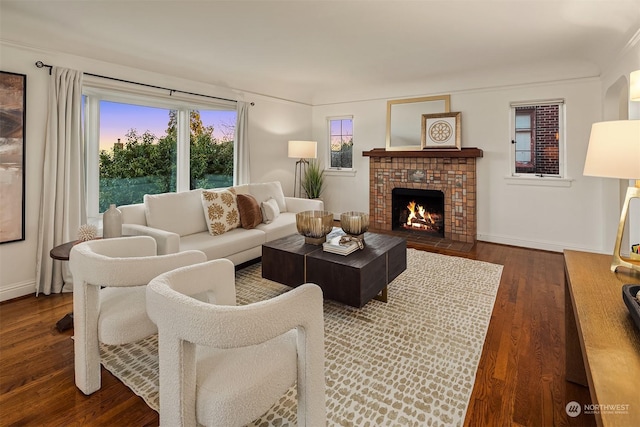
[410, 361]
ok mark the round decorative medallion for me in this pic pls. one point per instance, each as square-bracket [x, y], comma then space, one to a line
[440, 131]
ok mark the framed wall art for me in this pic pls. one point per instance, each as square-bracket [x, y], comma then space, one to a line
[13, 96]
[441, 131]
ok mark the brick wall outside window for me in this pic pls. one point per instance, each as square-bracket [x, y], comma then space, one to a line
[547, 139]
[545, 152]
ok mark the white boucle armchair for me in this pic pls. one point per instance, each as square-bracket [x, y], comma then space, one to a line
[110, 277]
[226, 365]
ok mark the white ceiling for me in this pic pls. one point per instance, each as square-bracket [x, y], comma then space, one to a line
[330, 51]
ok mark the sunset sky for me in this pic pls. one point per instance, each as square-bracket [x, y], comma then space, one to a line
[116, 119]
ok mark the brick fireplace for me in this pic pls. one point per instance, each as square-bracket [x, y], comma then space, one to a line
[451, 171]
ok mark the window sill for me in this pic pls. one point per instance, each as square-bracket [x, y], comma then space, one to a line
[340, 172]
[539, 181]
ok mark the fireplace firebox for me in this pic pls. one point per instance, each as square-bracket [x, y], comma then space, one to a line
[418, 210]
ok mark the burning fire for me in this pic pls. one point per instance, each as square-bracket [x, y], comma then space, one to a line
[418, 217]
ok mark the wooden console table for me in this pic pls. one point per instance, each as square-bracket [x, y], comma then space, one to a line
[602, 342]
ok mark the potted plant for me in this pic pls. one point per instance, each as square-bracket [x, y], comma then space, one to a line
[313, 180]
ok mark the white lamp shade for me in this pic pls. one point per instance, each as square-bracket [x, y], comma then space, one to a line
[634, 86]
[614, 150]
[303, 149]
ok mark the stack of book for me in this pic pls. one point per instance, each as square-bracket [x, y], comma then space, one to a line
[334, 246]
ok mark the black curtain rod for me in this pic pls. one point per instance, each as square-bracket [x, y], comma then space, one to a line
[41, 64]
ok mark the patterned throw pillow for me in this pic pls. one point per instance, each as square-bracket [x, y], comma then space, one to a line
[220, 210]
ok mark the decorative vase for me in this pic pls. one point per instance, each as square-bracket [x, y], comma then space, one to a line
[112, 222]
[314, 226]
[355, 223]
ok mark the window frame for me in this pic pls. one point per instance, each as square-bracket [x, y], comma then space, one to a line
[332, 169]
[531, 133]
[536, 176]
[98, 90]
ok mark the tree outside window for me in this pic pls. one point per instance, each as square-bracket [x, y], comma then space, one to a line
[341, 142]
[139, 163]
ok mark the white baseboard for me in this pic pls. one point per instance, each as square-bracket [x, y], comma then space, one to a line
[16, 290]
[535, 244]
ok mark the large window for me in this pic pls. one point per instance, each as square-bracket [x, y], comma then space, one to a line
[341, 142]
[139, 145]
[136, 156]
[537, 141]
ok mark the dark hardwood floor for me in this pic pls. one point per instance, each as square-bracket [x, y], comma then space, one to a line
[520, 379]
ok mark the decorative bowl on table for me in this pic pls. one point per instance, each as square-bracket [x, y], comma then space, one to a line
[314, 226]
[354, 223]
[630, 295]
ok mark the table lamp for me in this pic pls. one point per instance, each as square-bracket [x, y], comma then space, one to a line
[614, 152]
[301, 150]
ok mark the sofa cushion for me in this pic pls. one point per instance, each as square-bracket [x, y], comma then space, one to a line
[123, 315]
[242, 189]
[270, 210]
[221, 210]
[250, 213]
[284, 225]
[180, 213]
[267, 190]
[224, 245]
[133, 214]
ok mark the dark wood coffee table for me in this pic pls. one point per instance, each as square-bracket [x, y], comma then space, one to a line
[353, 279]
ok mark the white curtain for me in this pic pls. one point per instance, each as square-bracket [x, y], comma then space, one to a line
[241, 152]
[62, 203]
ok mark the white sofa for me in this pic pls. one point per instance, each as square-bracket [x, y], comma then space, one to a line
[178, 223]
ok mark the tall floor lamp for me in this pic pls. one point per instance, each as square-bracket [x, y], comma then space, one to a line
[301, 150]
[614, 152]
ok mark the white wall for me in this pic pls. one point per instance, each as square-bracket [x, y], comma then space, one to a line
[552, 218]
[272, 123]
[350, 192]
[616, 106]
[18, 259]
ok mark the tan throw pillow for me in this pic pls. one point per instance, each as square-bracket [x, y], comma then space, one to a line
[220, 210]
[270, 210]
[250, 213]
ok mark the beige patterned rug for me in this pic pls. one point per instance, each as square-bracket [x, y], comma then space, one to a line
[411, 361]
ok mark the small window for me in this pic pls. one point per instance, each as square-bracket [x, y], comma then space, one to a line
[341, 142]
[537, 138]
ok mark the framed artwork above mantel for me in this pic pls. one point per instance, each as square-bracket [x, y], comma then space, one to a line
[441, 131]
[13, 96]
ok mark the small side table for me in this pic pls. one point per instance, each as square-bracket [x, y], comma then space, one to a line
[61, 253]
